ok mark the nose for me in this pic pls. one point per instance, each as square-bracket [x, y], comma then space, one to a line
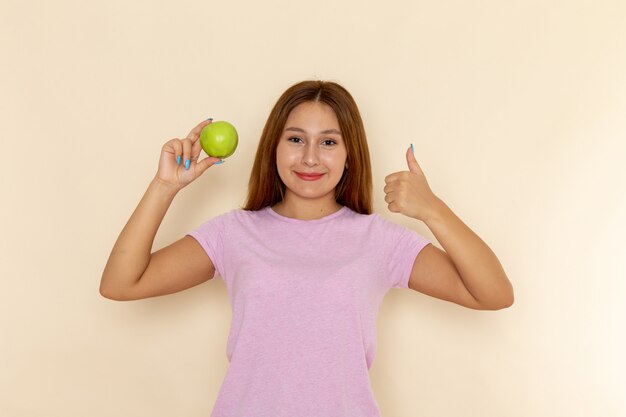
[310, 157]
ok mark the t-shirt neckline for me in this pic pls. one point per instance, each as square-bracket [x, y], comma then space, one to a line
[331, 216]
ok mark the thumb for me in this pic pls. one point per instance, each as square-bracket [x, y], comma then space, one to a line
[205, 164]
[412, 162]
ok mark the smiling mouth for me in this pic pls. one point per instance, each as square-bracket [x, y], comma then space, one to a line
[309, 177]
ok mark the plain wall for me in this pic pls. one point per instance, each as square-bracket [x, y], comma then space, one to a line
[517, 111]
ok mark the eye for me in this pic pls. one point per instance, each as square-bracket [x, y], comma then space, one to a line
[329, 142]
[294, 139]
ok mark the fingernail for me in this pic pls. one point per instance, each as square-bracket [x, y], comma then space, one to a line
[412, 149]
[187, 164]
[210, 118]
[219, 162]
[178, 160]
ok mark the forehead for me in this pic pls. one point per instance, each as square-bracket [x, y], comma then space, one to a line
[312, 113]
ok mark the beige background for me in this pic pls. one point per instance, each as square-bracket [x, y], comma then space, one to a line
[517, 111]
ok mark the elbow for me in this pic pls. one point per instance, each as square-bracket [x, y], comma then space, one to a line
[107, 293]
[499, 301]
[510, 300]
[502, 302]
[111, 293]
[505, 303]
[509, 297]
[506, 296]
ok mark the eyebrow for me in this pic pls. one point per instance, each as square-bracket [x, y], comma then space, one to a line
[324, 132]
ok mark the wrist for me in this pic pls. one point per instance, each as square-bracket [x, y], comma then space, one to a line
[163, 188]
[439, 211]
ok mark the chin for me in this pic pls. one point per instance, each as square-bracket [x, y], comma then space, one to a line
[310, 194]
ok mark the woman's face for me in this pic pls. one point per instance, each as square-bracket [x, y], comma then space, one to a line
[311, 154]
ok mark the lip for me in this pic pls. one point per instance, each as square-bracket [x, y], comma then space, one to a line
[308, 176]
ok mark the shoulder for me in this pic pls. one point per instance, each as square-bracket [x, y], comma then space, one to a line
[374, 225]
[387, 229]
[241, 216]
[377, 221]
[221, 222]
[238, 216]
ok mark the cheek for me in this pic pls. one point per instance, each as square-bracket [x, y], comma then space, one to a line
[280, 159]
[337, 162]
[283, 163]
[285, 157]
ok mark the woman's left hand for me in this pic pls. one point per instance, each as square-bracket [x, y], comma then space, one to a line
[408, 192]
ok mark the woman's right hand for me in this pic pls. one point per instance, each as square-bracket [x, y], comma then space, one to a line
[178, 164]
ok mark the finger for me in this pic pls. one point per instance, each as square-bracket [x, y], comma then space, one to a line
[393, 207]
[388, 188]
[194, 134]
[391, 177]
[412, 162]
[195, 151]
[186, 152]
[388, 198]
[205, 164]
[175, 148]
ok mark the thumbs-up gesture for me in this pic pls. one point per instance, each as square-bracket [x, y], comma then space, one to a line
[408, 192]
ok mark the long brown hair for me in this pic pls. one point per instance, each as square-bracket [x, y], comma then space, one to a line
[354, 190]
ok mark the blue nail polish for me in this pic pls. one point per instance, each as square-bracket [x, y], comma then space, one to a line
[412, 149]
[219, 162]
[187, 164]
[178, 160]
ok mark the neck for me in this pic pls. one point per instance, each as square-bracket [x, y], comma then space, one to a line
[305, 209]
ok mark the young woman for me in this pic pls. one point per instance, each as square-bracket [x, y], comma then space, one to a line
[305, 263]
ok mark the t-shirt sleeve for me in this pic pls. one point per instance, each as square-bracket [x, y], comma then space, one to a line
[210, 235]
[401, 247]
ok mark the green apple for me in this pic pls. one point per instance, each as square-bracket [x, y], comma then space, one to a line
[219, 139]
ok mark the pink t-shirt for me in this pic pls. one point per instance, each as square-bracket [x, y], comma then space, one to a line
[305, 296]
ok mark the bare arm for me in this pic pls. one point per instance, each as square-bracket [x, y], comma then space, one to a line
[467, 272]
[132, 271]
